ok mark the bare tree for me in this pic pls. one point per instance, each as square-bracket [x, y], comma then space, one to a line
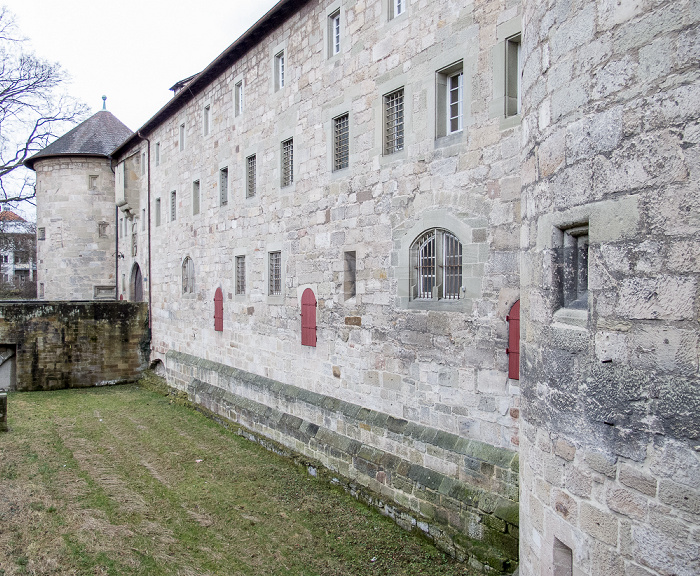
[33, 109]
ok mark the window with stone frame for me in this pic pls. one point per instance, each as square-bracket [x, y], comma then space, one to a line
[41, 233]
[206, 120]
[238, 98]
[195, 197]
[157, 211]
[93, 179]
[187, 275]
[571, 266]
[240, 275]
[334, 33]
[436, 266]
[274, 280]
[341, 142]
[393, 122]
[250, 176]
[512, 79]
[396, 8]
[287, 163]
[223, 186]
[450, 100]
[279, 70]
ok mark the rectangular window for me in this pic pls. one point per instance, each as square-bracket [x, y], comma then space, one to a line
[206, 120]
[92, 182]
[274, 281]
[41, 290]
[279, 71]
[513, 76]
[157, 153]
[396, 8]
[287, 167]
[102, 229]
[572, 267]
[195, 197]
[450, 100]
[182, 137]
[173, 206]
[349, 282]
[157, 211]
[240, 274]
[223, 186]
[341, 142]
[334, 33]
[143, 219]
[250, 176]
[393, 122]
[563, 560]
[143, 163]
[238, 96]
[41, 234]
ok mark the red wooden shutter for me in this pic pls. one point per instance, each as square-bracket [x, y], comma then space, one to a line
[219, 311]
[308, 318]
[513, 349]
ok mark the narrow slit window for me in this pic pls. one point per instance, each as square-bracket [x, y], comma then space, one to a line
[157, 153]
[182, 137]
[206, 120]
[341, 142]
[173, 206]
[240, 275]
[143, 164]
[287, 163]
[512, 100]
[250, 176]
[195, 197]
[157, 211]
[350, 275]
[223, 186]
[187, 276]
[279, 71]
[238, 94]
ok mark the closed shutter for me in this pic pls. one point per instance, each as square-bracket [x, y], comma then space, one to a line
[308, 318]
[219, 311]
[513, 349]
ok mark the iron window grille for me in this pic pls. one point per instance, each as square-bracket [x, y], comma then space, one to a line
[393, 122]
[187, 276]
[223, 186]
[287, 162]
[275, 274]
[240, 274]
[437, 266]
[173, 206]
[341, 142]
[250, 176]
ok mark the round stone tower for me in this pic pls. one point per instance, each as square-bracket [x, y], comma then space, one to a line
[610, 437]
[76, 225]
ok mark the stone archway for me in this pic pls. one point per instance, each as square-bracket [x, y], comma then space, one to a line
[136, 284]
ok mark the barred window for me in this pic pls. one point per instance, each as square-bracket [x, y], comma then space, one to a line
[195, 197]
[187, 275]
[436, 266]
[287, 162]
[240, 274]
[341, 142]
[250, 176]
[173, 206]
[393, 122]
[274, 280]
[223, 186]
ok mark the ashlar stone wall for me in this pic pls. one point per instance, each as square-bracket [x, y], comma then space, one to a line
[76, 218]
[610, 432]
[436, 364]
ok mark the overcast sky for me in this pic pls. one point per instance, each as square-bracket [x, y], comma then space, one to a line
[132, 51]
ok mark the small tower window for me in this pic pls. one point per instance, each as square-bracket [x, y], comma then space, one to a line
[187, 276]
[219, 311]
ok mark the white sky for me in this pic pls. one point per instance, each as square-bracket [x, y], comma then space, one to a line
[132, 51]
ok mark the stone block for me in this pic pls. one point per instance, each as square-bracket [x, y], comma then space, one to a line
[641, 482]
[599, 524]
[564, 449]
[627, 503]
[602, 463]
[679, 496]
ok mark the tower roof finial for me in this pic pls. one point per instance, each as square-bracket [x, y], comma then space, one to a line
[104, 102]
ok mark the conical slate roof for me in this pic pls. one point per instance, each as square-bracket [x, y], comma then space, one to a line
[99, 135]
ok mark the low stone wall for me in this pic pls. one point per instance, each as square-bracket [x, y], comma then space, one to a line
[462, 493]
[75, 344]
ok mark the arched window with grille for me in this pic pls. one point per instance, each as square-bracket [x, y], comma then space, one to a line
[436, 266]
[187, 275]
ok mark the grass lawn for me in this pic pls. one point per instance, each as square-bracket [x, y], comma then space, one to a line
[120, 480]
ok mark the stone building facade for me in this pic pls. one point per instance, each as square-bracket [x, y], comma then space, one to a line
[334, 222]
